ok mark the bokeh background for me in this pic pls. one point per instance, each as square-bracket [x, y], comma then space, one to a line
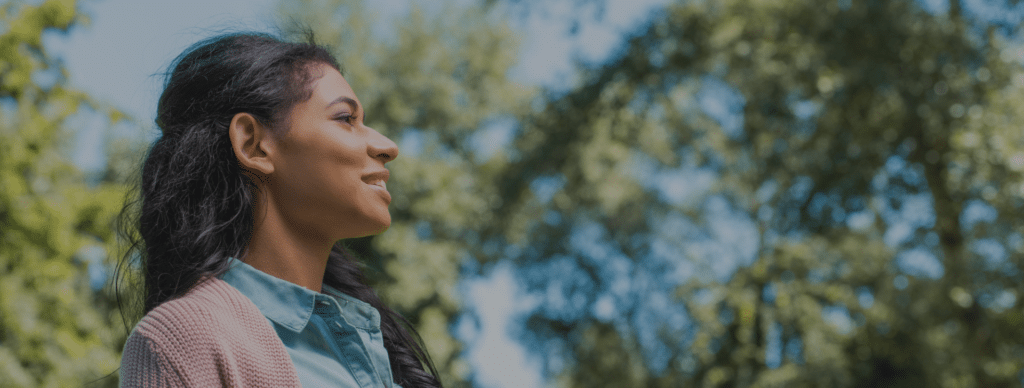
[591, 193]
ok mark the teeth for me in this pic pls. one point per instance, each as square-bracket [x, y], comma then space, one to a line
[381, 184]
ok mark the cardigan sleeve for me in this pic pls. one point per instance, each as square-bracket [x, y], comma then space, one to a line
[212, 337]
[175, 346]
[144, 365]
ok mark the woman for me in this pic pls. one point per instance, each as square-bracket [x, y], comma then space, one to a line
[263, 165]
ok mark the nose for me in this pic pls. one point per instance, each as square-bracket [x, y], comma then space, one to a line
[380, 147]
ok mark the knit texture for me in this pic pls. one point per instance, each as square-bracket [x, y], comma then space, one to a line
[213, 336]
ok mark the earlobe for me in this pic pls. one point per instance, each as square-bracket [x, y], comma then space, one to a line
[250, 142]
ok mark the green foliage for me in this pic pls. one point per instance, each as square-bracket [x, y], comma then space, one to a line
[438, 75]
[870, 132]
[55, 330]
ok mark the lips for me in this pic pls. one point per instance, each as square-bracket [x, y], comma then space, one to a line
[379, 181]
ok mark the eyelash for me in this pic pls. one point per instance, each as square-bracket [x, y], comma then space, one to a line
[347, 118]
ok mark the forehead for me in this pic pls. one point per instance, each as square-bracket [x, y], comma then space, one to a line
[329, 87]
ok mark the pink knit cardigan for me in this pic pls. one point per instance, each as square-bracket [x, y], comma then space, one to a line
[213, 336]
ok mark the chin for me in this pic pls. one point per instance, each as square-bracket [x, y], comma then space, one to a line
[375, 226]
[380, 229]
[384, 222]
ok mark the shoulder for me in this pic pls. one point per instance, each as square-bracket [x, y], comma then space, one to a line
[194, 329]
[212, 331]
[211, 309]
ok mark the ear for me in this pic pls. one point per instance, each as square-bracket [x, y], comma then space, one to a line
[252, 144]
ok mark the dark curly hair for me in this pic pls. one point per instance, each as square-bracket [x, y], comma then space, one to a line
[194, 206]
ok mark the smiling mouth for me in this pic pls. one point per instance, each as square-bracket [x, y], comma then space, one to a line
[378, 178]
[381, 186]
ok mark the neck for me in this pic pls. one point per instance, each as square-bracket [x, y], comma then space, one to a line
[284, 251]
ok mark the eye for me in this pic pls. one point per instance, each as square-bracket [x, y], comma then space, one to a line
[347, 118]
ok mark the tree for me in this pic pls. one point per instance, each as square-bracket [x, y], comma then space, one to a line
[55, 328]
[857, 160]
[435, 83]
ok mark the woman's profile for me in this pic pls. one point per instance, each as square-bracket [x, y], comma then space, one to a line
[263, 164]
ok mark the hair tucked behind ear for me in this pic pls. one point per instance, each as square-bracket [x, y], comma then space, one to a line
[193, 208]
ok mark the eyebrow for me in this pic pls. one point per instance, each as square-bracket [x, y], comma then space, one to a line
[349, 101]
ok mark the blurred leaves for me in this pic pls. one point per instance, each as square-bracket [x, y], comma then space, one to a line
[751, 193]
[55, 328]
[848, 143]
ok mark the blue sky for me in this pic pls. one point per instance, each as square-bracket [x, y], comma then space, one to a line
[118, 56]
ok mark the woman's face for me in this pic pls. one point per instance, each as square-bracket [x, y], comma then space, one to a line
[329, 176]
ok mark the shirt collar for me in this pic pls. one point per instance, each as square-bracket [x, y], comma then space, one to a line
[281, 301]
[354, 311]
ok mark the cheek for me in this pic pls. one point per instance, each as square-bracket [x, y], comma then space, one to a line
[320, 188]
[320, 162]
[319, 185]
[324, 183]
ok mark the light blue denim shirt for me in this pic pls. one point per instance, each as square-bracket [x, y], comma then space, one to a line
[334, 341]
